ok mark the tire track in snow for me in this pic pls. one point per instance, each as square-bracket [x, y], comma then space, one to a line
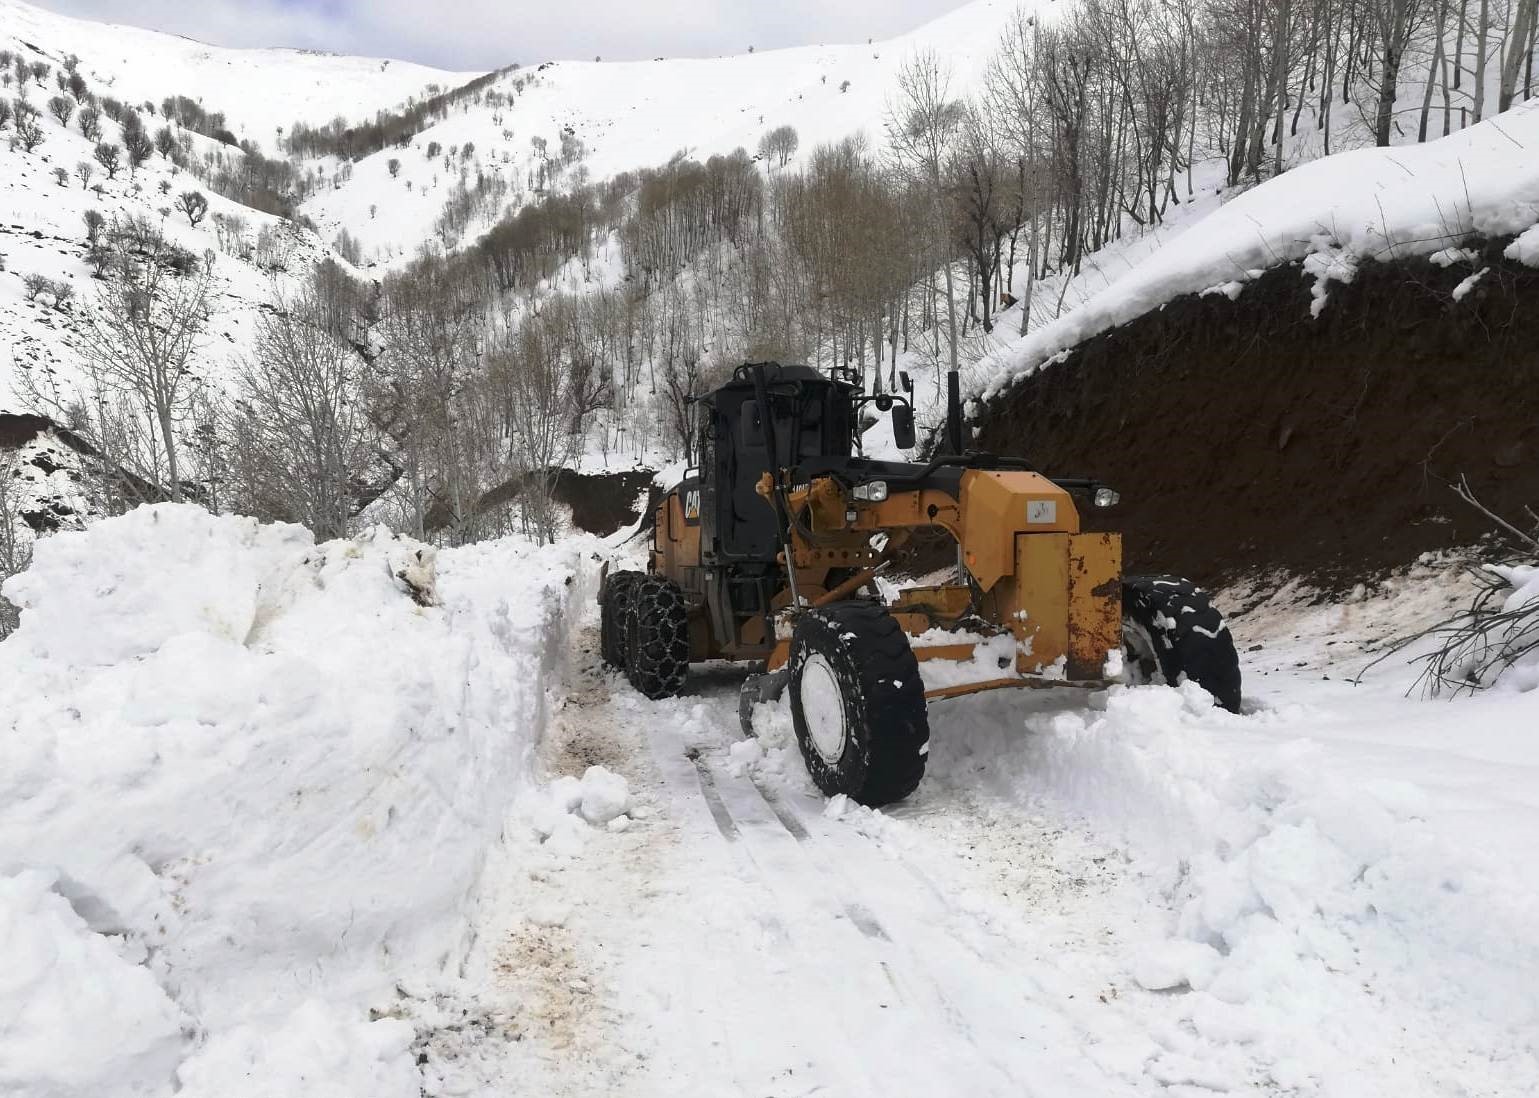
[919, 970]
[858, 914]
[908, 971]
[719, 813]
[954, 963]
[812, 1036]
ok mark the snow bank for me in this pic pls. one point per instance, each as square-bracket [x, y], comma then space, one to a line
[1523, 601]
[1367, 204]
[1319, 914]
[247, 783]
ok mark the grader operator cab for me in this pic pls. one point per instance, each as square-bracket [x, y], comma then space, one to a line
[770, 550]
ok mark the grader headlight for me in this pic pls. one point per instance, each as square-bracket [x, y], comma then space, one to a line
[1106, 497]
[873, 491]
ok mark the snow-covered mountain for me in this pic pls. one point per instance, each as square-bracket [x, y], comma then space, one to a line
[258, 91]
[504, 135]
[636, 114]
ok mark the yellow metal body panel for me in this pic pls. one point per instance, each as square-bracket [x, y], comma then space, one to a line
[1063, 602]
[1095, 602]
[944, 603]
[997, 505]
[677, 542]
[1034, 602]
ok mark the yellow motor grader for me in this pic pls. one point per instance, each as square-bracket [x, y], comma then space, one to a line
[770, 550]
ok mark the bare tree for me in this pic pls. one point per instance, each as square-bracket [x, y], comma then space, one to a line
[429, 358]
[136, 142]
[194, 204]
[922, 123]
[15, 541]
[529, 380]
[141, 333]
[301, 419]
[110, 157]
[28, 126]
[977, 184]
[61, 108]
[778, 145]
[1395, 23]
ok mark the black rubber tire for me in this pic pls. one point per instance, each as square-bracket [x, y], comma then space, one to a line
[1187, 634]
[886, 727]
[614, 608]
[657, 638]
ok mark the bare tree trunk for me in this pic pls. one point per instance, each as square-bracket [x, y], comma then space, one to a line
[1481, 51]
[1432, 69]
[1519, 49]
[1031, 277]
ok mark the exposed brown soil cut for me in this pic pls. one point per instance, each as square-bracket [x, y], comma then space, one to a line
[1246, 435]
[16, 430]
[602, 503]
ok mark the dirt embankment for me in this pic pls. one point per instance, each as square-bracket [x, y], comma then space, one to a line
[1246, 434]
[601, 503]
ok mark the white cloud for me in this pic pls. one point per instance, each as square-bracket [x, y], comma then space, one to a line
[485, 34]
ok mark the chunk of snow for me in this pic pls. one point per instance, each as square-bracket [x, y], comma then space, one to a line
[605, 795]
[76, 1017]
[1462, 289]
[1525, 249]
[316, 1043]
[1231, 290]
[743, 756]
[1448, 257]
[1329, 264]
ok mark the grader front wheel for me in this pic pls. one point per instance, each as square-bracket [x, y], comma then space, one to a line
[1172, 631]
[857, 703]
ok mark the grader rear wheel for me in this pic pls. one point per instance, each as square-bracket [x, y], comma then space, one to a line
[613, 609]
[657, 638]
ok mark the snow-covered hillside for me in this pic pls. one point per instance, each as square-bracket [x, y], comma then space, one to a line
[630, 115]
[259, 91]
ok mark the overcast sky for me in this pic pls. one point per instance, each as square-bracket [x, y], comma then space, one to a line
[486, 34]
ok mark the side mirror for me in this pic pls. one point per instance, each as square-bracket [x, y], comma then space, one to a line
[751, 427]
[903, 426]
[906, 381]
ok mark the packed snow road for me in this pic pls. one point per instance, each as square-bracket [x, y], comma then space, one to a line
[784, 945]
[1141, 896]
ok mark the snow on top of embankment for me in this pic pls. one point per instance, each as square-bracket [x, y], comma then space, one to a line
[247, 783]
[258, 90]
[1333, 214]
